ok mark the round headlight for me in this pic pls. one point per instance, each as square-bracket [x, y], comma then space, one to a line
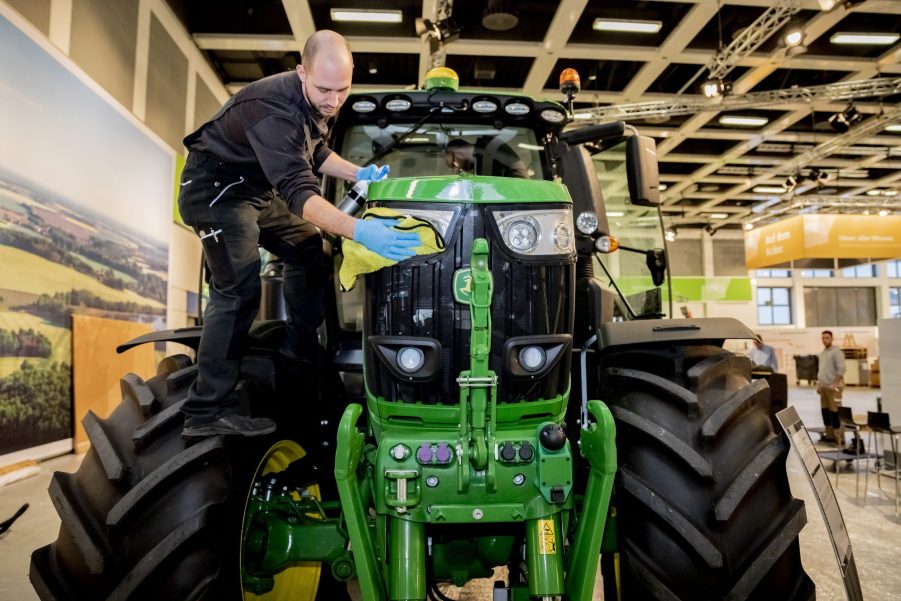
[587, 222]
[563, 237]
[522, 235]
[552, 116]
[363, 106]
[398, 104]
[410, 359]
[532, 358]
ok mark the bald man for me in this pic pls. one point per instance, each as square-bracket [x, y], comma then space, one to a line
[251, 179]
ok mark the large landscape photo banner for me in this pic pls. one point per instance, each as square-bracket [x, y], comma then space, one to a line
[85, 216]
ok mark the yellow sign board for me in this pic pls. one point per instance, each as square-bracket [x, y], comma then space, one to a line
[823, 237]
[547, 537]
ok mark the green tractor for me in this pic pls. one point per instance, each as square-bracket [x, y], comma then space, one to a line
[492, 405]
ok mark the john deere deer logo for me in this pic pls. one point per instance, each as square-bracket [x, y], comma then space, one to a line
[463, 286]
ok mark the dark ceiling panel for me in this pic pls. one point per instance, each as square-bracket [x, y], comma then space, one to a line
[246, 66]
[704, 146]
[534, 18]
[390, 69]
[668, 13]
[781, 79]
[490, 71]
[676, 75]
[725, 26]
[232, 16]
[606, 76]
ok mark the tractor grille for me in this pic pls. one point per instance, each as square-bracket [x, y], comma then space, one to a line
[415, 298]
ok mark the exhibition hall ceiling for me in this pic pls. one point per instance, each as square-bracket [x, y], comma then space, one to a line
[726, 162]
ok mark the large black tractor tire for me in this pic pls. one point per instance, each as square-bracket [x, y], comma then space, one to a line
[703, 506]
[149, 515]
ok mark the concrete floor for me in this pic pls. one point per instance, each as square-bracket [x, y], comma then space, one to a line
[874, 529]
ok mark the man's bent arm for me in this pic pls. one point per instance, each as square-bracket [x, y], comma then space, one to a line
[337, 166]
[326, 216]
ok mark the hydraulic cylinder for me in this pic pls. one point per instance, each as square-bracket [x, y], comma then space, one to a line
[406, 560]
[544, 551]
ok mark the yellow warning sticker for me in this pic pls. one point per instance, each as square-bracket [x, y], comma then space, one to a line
[547, 537]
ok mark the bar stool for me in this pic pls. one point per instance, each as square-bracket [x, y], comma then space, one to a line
[846, 417]
[879, 423]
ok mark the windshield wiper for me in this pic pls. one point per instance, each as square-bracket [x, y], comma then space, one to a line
[398, 140]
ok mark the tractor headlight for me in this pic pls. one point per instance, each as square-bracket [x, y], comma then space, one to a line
[522, 235]
[587, 222]
[440, 220]
[410, 359]
[532, 358]
[541, 232]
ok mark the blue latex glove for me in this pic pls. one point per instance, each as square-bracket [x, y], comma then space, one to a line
[378, 236]
[373, 173]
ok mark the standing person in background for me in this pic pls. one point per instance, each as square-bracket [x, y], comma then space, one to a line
[251, 179]
[763, 354]
[830, 381]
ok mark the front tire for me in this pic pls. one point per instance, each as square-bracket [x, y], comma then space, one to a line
[703, 505]
[149, 515]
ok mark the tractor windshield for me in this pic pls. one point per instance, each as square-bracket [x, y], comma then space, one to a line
[444, 149]
[634, 226]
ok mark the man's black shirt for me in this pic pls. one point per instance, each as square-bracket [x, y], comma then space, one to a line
[269, 131]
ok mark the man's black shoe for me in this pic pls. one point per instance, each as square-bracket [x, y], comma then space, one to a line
[825, 438]
[230, 425]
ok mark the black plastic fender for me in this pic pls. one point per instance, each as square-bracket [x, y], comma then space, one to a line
[711, 330]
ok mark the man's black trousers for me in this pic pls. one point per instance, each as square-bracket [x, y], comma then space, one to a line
[233, 213]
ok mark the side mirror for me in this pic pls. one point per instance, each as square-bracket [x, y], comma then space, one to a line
[642, 171]
[656, 262]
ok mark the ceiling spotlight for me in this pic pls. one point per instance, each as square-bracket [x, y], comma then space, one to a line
[499, 16]
[713, 88]
[710, 230]
[749, 226]
[794, 33]
[444, 31]
[791, 182]
[883, 212]
[373, 68]
[670, 234]
[843, 121]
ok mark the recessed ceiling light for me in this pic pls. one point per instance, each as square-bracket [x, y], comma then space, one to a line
[662, 187]
[883, 212]
[366, 15]
[615, 213]
[744, 121]
[627, 25]
[895, 127]
[871, 39]
[749, 226]
[718, 215]
[769, 189]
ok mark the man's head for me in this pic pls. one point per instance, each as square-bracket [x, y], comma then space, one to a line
[326, 71]
[460, 156]
[758, 340]
[827, 338]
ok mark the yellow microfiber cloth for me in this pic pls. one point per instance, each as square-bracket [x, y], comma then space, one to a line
[359, 260]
